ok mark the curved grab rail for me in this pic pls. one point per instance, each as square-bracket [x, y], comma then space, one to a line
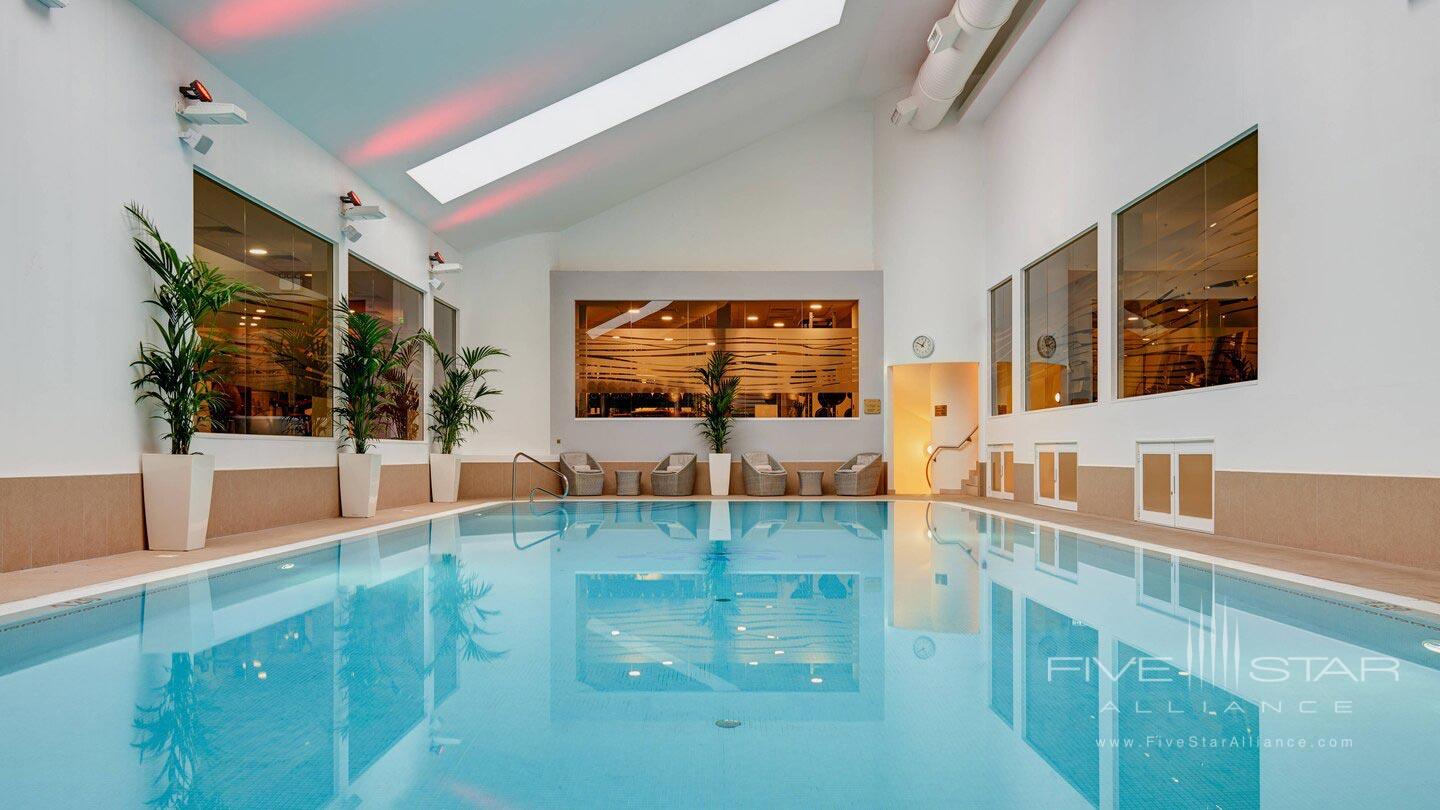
[565, 493]
[930, 462]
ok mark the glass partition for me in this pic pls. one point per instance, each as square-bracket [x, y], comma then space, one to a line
[795, 359]
[1062, 322]
[278, 371]
[446, 322]
[399, 306]
[1188, 278]
[1001, 318]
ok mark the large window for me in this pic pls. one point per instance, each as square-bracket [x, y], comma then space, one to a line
[1062, 325]
[1001, 350]
[794, 358]
[278, 374]
[1188, 278]
[446, 320]
[400, 306]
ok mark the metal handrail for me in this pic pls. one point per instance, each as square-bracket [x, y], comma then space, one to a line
[929, 462]
[933, 533]
[560, 532]
[563, 480]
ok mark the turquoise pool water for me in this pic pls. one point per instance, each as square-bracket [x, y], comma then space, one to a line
[746, 654]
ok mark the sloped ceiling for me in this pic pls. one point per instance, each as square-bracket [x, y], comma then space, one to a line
[388, 84]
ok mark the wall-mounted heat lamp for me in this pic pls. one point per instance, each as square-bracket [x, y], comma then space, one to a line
[439, 265]
[352, 209]
[198, 106]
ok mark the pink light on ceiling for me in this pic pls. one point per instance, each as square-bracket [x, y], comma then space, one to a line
[230, 22]
[512, 194]
[437, 120]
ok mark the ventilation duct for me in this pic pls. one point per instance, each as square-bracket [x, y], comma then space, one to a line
[956, 43]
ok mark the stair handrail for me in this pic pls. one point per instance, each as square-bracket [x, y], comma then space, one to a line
[565, 482]
[935, 451]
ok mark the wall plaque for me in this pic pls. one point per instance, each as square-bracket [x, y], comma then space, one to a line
[872, 406]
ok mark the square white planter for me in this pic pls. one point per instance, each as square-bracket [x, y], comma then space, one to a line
[177, 500]
[444, 477]
[720, 474]
[359, 484]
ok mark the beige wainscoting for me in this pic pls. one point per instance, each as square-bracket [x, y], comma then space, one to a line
[50, 520]
[1107, 491]
[1389, 519]
[56, 519]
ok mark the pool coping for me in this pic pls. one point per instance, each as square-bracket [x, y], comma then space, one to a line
[58, 599]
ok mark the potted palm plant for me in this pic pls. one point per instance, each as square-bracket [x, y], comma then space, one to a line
[179, 375]
[370, 351]
[455, 409]
[717, 416]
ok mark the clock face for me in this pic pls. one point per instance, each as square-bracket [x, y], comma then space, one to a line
[923, 346]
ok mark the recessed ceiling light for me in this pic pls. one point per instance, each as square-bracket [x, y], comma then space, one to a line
[816, 306]
[778, 323]
[668, 340]
[258, 252]
[1133, 318]
[709, 343]
[624, 96]
[634, 311]
[667, 317]
[261, 311]
[1182, 309]
[752, 317]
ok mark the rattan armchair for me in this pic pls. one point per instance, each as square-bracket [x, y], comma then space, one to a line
[763, 475]
[674, 476]
[859, 476]
[584, 473]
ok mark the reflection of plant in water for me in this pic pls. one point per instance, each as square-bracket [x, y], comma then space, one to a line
[170, 731]
[369, 653]
[718, 592]
[399, 412]
[456, 610]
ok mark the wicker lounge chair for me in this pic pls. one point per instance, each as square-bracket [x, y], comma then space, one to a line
[674, 476]
[584, 473]
[858, 476]
[762, 474]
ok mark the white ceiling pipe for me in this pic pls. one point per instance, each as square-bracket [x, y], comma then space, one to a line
[956, 44]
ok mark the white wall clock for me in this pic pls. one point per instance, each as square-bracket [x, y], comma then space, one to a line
[923, 346]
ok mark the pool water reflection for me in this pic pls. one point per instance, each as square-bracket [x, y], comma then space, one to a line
[874, 654]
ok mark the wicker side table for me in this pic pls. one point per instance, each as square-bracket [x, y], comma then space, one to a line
[627, 482]
[810, 482]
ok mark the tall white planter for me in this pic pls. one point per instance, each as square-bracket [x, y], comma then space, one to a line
[719, 474]
[359, 484]
[177, 500]
[444, 477]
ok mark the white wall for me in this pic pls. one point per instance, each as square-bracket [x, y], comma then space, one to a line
[88, 94]
[506, 303]
[798, 200]
[1127, 93]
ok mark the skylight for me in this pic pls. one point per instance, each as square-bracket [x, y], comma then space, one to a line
[614, 101]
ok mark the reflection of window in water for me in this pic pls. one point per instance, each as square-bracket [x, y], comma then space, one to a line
[1166, 705]
[1002, 660]
[1062, 704]
[718, 631]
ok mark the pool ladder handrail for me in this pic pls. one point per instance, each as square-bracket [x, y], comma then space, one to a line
[930, 462]
[565, 482]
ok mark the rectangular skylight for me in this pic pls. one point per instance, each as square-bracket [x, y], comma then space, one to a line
[619, 98]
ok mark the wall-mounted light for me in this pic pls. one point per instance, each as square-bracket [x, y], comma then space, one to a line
[439, 265]
[352, 209]
[198, 106]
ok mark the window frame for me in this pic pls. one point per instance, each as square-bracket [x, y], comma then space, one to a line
[990, 345]
[1025, 317]
[338, 264]
[1117, 337]
[859, 364]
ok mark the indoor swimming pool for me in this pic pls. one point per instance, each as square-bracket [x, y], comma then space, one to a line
[721, 654]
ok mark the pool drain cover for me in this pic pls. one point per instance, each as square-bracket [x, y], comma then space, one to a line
[728, 723]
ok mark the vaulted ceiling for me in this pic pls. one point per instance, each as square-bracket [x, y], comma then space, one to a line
[388, 84]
